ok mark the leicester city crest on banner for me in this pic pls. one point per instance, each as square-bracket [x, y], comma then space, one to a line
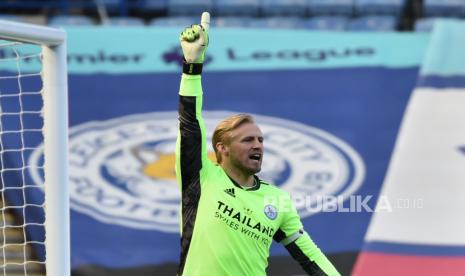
[122, 170]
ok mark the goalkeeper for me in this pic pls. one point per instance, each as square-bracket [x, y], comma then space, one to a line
[228, 220]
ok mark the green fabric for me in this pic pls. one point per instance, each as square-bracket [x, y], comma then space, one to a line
[191, 86]
[232, 233]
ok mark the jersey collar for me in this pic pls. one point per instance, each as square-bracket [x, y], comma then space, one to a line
[255, 187]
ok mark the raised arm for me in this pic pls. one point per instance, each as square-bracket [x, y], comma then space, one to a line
[191, 150]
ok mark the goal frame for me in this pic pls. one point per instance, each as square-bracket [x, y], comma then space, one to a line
[55, 133]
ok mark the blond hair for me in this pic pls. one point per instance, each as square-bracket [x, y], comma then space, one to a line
[224, 128]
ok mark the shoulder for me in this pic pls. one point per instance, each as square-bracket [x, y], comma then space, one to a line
[272, 189]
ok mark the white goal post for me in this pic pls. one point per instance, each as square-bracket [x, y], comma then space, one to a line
[55, 133]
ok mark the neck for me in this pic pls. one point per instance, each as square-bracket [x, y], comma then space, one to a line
[242, 178]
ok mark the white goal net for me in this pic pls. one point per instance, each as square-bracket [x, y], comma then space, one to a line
[34, 219]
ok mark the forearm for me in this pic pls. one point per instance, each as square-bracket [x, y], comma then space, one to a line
[190, 137]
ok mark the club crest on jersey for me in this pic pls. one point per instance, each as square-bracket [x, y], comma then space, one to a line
[271, 212]
[122, 169]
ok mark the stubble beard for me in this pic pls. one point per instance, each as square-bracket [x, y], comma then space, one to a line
[247, 169]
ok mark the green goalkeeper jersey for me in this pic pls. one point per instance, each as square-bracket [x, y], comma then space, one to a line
[227, 229]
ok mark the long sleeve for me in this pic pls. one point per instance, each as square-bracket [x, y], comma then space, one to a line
[310, 257]
[301, 247]
[191, 153]
[191, 144]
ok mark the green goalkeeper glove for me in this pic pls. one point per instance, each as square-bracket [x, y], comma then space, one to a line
[194, 40]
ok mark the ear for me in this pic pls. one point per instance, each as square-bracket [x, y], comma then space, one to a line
[222, 148]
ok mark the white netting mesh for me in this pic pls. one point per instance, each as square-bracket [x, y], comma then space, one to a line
[22, 249]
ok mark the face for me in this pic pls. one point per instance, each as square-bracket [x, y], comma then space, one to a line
[245, 150]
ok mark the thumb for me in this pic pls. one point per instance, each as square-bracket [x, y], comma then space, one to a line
[205, 21]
